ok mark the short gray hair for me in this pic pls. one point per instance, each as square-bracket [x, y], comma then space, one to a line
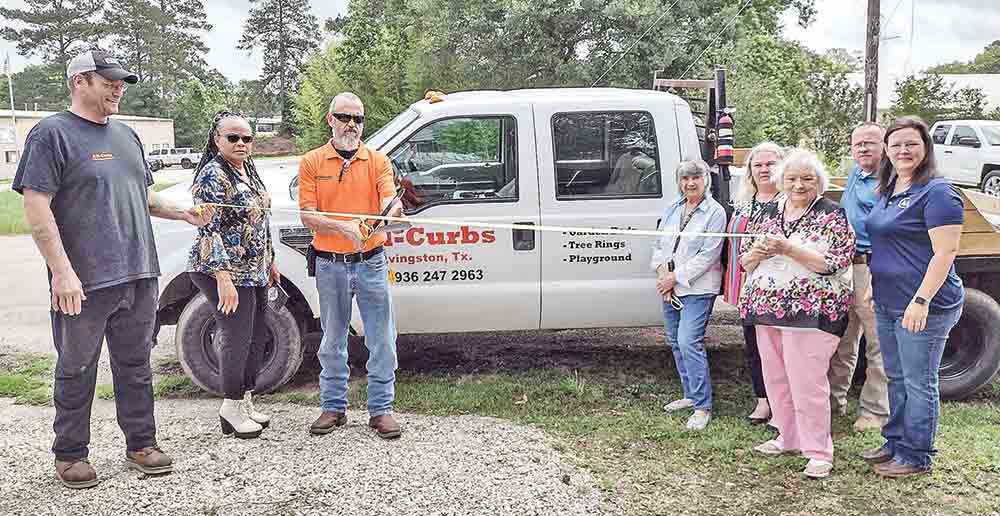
[690, 168]
[748, 186]
[346, 96]
[802, 159]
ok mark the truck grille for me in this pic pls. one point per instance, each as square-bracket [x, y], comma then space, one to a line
[297, 238]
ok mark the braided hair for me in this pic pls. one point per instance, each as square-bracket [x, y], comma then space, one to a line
[212, 150]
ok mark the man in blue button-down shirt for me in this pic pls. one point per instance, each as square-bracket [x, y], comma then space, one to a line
[858, 200]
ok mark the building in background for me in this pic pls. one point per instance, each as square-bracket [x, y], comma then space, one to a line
[155, 133]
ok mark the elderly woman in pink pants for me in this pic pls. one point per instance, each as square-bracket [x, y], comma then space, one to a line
[797, 294]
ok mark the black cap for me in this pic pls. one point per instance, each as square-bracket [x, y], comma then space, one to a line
[101, 62]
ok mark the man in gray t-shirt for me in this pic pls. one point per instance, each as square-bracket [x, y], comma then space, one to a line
[87, 200]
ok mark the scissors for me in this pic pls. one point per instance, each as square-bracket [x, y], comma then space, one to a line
[370, 228]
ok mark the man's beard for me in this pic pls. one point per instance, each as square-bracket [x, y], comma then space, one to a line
[346, 140]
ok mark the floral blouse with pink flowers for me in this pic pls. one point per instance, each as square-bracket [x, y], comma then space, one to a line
[782, 292]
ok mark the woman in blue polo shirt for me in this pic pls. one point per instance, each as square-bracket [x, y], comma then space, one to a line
[915, 229]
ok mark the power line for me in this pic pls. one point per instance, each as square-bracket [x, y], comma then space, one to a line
[721, 32]
[629, 49]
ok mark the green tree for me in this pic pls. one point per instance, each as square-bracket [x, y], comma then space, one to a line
[933, 98]
[163, 57]
[55, 30]
[37, 86]
[987, 61]
[321, 81]
[250, 97]
[193, 112]
[286, 32]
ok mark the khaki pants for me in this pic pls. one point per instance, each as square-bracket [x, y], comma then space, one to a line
[875, 392]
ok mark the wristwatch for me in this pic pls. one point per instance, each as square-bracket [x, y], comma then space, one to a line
[920, 301]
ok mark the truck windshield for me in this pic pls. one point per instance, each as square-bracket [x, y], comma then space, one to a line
[992, 133]
[383, 135]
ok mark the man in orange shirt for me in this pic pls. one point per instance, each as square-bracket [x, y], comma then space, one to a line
[344, 176]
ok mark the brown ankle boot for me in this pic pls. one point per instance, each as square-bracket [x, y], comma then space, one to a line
[76, 473]
[150, 460]
[328, 422]
[385, 426]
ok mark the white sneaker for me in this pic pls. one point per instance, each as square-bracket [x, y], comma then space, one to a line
[261, 419]
[818, 468]
[234, 420]
[699, 420]
[681, 404]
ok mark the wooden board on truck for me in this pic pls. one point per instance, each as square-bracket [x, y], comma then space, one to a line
[979, 236]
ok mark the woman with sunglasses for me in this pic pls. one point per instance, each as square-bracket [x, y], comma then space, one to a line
[232, 264]
[688, 276]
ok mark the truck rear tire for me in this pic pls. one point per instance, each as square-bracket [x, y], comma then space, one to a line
[991, 183]
[186, 164]
[197, 352]
[972, 355]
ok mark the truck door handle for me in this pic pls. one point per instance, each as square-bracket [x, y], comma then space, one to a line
[524, 239]
[948, 152]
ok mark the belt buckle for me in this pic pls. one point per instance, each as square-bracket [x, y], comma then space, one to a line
[353, 257]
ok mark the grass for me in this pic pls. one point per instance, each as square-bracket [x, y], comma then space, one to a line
[176, 387]
[610, 416]
[23, 381]
[163, 186]
[12, 221]
[105, 392]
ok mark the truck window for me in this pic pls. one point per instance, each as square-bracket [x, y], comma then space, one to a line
[608, 154]
[941, 134]
[458, 160]
[963, 131]
[992, 133]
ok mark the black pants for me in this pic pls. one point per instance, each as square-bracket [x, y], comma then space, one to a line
[244, 335]
[126, 315]
[753, 361]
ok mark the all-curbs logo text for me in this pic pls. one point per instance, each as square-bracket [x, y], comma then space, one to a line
[418, 236]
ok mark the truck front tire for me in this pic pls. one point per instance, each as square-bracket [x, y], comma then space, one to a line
[195, 341]
[972, 355]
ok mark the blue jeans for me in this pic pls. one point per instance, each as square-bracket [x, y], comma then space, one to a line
[685, 330]
[337, 284]
[911, 362]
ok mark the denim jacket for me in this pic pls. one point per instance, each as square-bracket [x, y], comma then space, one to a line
[697, 260]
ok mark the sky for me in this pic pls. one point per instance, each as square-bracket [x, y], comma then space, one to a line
[917, 34]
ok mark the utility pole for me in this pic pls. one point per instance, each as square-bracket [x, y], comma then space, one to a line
[871, 61]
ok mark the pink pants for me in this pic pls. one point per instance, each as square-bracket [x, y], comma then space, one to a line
[795, 363]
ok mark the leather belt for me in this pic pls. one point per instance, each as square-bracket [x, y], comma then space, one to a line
[862, 258]
[349, 257]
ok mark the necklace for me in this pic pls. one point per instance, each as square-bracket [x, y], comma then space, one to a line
[788, 232]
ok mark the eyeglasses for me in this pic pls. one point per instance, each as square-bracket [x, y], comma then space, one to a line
[113, 86]
[909, 146]
[233, 138]
[347, 117]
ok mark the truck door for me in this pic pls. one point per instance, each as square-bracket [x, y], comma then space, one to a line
[462, 278]
[603, 166]
[962, 160]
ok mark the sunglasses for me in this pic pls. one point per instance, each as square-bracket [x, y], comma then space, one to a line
[233, 138]
[346, 117]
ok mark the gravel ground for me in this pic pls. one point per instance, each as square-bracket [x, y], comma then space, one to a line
[441, 466]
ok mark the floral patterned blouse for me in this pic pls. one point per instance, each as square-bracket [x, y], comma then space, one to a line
[782, 292]
[236, 240]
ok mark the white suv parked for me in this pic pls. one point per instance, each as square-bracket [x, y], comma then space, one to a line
[968, 152]
[186, 157]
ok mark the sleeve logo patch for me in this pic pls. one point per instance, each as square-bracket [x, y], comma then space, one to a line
[102, 156]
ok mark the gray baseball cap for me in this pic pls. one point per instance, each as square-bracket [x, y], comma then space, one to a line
[101, 62]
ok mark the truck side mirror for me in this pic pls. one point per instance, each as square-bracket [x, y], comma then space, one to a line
[969, 141]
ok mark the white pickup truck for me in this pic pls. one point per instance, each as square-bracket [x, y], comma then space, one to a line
[596, 157]
[968, 153]
[186, 157]
[564, 157]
